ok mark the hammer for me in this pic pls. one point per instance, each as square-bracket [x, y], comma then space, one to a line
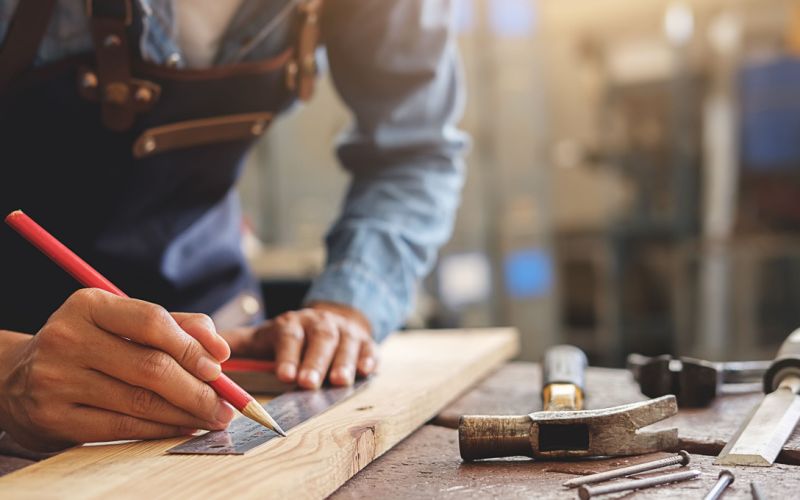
[695, 382]
[564, 429]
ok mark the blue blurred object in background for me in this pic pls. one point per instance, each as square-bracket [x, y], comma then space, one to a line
[512, 18]
[770, 94]
[528, 273]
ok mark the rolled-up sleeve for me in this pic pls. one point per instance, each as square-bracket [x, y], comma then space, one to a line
[396, 66]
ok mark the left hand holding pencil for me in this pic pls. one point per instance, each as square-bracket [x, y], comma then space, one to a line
[81, 379]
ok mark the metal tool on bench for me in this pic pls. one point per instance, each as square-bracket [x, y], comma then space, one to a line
[724, 480]
[695, 382]
[587, 492]
[763, 433]
[563, 378]
[569, 431]
[682, 458]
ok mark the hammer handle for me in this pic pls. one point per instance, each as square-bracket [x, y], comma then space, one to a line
[787, 362]
[563, 368]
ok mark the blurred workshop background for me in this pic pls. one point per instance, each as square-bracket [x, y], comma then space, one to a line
[634, 179]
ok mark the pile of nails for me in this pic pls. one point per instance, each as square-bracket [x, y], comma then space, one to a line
[682, 458]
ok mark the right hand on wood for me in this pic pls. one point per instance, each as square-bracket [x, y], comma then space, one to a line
[81, 380]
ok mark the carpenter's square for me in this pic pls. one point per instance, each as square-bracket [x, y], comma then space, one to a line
[565, 430]
[764, 432]
[695, 382]
[289, 409]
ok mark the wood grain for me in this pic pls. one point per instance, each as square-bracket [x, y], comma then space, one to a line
[515, 389]
[427, 465]
[420, 373]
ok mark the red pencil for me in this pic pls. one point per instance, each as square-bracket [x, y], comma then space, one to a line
[89, 277]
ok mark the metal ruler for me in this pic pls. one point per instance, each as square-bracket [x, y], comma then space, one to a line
[289, 410]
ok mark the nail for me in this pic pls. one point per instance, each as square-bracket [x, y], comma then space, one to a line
[724, 480]
[311, 377]
[287, 372]
[755, 491]
[208, 370]
[224, 413]
[682, 458]
[587, 492]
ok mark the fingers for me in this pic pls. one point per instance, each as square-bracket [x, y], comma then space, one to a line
[96, 425]
[150, 325]
[343, 370]
[323, 339]
[289, 348]
[202, 328]
[111, 394]
[310, 342]
[158, 372]
[368, 358]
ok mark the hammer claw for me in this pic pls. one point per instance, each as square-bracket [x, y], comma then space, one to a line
[608, 432]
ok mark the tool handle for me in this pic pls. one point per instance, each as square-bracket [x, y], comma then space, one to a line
[786, 363]
[483, 436]
[564, 367]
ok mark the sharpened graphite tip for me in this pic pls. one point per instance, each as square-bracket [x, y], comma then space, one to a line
[256, 412]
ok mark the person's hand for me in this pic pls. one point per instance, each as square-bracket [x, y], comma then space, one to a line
[107, 368]
[312, 343]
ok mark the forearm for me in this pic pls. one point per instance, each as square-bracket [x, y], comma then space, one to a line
[396, 65]
[386, 239]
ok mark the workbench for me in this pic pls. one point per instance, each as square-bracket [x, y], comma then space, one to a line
[427, 463]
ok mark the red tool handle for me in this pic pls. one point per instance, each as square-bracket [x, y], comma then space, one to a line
[89, 277]
[248, 365]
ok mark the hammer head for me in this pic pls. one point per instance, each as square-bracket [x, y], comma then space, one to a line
[562, 434]
[695, 382]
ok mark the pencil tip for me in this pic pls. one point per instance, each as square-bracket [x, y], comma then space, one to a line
[256, 412]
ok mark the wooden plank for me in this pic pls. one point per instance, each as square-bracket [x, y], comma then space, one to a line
[427, 465]
[515, 387]
[420, 373]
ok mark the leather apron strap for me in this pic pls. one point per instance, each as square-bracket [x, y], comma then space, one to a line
[301, 73]
[109, 21]
[24, 35]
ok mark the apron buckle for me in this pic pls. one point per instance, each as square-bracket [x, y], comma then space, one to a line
[143, 93]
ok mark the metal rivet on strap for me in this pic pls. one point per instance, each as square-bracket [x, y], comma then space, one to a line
[250, 305]
[149, 144]
[89, 80]
[257, 128]
[112, 41]
[173, 60]
[143, 94]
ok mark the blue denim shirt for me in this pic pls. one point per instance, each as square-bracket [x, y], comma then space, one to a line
[395, 65]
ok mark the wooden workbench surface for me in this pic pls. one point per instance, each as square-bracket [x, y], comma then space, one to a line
[427, 464]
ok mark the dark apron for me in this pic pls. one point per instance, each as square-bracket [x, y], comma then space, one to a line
[131, 165]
